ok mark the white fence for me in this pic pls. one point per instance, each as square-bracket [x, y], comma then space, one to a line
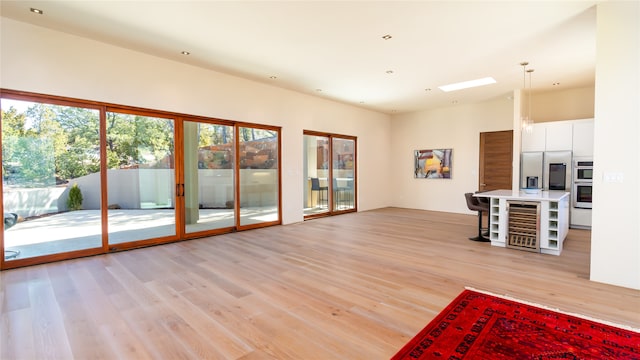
[146, 188]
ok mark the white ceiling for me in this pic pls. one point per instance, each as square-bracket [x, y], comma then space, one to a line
[335, 49]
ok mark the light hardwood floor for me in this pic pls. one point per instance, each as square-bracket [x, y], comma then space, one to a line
[355, 286]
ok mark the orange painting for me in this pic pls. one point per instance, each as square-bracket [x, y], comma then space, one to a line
[433, 164]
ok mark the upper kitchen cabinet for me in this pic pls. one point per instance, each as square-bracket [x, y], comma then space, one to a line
[534, 138]
[583, 138]
[559, 136]
[574, 135]
[548, 136]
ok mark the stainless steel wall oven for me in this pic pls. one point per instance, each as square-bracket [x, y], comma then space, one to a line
[582, 183]
[582, 170]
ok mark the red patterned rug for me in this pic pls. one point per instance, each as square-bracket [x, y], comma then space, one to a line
[480, 326]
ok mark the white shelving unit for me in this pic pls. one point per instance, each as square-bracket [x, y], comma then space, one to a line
[553, 225]
[496, 222]
[554, 217]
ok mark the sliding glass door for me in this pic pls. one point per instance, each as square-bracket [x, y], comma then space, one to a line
[83, 178]
[329, 179]
[141, 178]
[50, 178]
[343, 173]
[258, 176]
[209, 177]
[316, 175]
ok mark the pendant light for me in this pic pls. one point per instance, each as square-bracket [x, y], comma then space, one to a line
[526, 120]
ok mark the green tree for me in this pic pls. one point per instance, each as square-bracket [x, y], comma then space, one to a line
[75, 135]
[13, 122]
[135, 140]
[214, 134]
[48, 140]
[27, 154]
[74, 201]
[12, 129]
[78, 154]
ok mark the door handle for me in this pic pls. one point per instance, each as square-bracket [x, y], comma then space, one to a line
[483, 184]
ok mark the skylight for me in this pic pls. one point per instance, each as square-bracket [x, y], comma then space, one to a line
[467, 84]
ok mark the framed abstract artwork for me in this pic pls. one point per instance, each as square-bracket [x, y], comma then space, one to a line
[433, 164]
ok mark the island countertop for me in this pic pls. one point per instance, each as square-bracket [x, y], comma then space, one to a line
[552, 195]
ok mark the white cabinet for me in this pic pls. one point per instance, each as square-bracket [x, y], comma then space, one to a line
[559, 136]
[583, 138]
[554, 225]
[553, 220]
[575, 135]
[534, 139]
[497, 224]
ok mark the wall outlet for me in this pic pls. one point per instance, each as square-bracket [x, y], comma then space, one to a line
[613, 177]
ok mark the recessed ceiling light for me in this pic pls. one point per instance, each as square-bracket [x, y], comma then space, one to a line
[556, 83]
[389, 71]
[467, 84]
[273, 77]
[185, 53]
[36, 11]
[427, 89]
[387, 37]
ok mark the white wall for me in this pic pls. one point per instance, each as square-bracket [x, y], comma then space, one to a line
[456, 127]
[566, 104]
[40, 60]
[615, 235]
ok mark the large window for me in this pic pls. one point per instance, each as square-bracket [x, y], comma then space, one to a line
[329, 180]
[83, 178]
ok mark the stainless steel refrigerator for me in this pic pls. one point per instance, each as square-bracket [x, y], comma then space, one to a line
[531, 164]
[548, 170]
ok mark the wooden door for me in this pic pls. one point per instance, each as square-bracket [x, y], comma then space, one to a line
[496, 160]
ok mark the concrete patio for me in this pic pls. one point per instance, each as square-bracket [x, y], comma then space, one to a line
[77, 230]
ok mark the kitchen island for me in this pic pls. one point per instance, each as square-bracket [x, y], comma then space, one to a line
[535, 221]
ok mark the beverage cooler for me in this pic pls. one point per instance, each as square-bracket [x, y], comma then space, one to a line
[557, 170]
